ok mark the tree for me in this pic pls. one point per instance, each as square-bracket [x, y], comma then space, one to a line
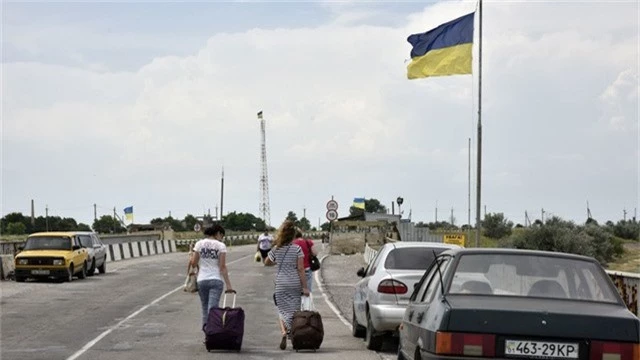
[292, 216]
[84, 227]
[370, 206]
[496, 226]
[189, 222]
[325, 227]
[304, 224]
[16, 228]
[107, 224]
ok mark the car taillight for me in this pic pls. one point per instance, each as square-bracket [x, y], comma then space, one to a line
[607, 350]
[465, 344]
[392, 287]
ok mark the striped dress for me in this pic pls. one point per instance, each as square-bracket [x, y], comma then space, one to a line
[288, 285]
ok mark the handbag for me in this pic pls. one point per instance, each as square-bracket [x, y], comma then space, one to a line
[314, 262]
[191, 283]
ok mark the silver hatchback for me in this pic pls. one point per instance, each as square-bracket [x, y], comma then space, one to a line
[381, 297]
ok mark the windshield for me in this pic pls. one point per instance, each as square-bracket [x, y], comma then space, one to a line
[48, 243]
[530, 276]
[411, 258]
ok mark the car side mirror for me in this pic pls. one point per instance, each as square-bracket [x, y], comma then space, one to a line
[76, 247]
[20, 248]
[360, 272]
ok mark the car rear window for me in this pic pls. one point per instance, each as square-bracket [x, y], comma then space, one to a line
[537, 276]
[411, 258]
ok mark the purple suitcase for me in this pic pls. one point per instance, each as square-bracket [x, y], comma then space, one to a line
[225, 327]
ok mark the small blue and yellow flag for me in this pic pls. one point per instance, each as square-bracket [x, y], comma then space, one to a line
[445, 50]
[358, 203]
[128, 213]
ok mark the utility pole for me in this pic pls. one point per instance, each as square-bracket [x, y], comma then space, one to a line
[222, 193]
[543, 216]
[436, 211]
[115, 217]
[169, 213]
[95, 212]
[33, 214]
[304, 213]
[624, 214]
[46, 216]
[485, 211]
[451, 216]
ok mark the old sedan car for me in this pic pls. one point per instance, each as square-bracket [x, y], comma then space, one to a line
[517, 304]
[57, 255]
[97, 252]
[380, 298]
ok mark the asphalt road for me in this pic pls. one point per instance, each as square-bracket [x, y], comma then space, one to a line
[137, 310]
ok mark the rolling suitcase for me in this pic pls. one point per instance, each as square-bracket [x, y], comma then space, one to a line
[307, 331]
[225, 327]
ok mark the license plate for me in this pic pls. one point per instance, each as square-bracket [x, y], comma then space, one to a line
[541, 349]
[40, 272]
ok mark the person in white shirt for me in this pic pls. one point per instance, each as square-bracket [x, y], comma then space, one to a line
[210, 256]
[265, 242]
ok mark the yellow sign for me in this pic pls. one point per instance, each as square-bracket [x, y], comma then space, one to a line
[455, 239]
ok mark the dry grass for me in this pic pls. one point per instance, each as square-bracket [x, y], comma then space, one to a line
[630, 261]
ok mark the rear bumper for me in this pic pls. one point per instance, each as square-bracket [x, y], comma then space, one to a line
[429, 356]
[386, 317]
[26, 273]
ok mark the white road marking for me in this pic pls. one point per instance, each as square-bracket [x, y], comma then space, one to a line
[91, 343]
[326, 298]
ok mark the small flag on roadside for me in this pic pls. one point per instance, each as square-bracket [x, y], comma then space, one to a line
[358, 203]
[128, 213]
[260, 115]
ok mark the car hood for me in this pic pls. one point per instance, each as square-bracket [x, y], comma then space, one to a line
[542, 317]
[44, 253]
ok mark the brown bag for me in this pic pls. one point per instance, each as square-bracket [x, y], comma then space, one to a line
[307, 331]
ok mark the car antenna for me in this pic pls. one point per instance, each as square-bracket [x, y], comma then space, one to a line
[439, 273]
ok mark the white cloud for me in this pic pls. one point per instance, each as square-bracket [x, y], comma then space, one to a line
[341, 117]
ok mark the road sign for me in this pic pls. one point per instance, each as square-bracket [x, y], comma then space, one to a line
[332, 205]
[332, 215]
[197, 227]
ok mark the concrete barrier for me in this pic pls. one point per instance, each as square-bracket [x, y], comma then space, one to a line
[626, 283]
[136, 249]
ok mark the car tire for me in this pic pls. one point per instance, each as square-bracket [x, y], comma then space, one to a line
[83, 271]
[103, 268]
[92, 271]
[357, 330]
[400, 355]
[69, 277]
[372, 341]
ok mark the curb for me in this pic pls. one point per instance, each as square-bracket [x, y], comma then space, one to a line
[330, 303]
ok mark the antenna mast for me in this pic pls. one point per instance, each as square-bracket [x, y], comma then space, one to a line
[265, 211]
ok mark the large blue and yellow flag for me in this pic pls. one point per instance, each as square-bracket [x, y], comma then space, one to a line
[128, 213]
[445, 50]
[358, 203]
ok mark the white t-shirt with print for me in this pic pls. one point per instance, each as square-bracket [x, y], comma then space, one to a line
[209, 250]
[264, 241]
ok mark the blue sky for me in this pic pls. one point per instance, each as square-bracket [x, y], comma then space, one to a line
[150, 100]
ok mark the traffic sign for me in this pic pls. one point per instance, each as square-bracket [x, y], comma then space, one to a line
[197, 227]
[332, 205]
[332, 215]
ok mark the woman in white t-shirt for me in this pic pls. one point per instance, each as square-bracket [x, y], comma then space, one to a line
[210, 256]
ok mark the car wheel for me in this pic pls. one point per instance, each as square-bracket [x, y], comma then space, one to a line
[400, 355]
[103, 268]
[92, 271]
[356, 329]
[83, 271]
[70, 273]
[372, 341]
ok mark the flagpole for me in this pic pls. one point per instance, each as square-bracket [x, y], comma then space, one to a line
[479, 169]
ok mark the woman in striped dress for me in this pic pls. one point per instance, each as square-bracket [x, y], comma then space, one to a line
[291, 281]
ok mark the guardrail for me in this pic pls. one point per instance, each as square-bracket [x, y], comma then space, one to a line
[627, 283]
[233, 238]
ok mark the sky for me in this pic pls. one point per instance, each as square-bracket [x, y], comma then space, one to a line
[143, 104]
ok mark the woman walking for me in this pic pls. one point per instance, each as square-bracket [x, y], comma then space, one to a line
[291, 281]
[308, 249]
[210, 256]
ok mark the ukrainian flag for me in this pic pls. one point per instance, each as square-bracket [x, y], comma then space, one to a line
[445, 50]
[358, 203]
[128, 213]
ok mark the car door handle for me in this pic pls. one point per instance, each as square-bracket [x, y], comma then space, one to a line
[419, 318]
[410, 315]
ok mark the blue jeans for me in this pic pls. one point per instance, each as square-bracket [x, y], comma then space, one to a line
[309, 275]
[210, 292]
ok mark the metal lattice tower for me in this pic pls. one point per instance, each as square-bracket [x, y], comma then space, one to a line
[265, 210]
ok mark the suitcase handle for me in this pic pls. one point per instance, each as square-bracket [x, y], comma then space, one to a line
[224, 300]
